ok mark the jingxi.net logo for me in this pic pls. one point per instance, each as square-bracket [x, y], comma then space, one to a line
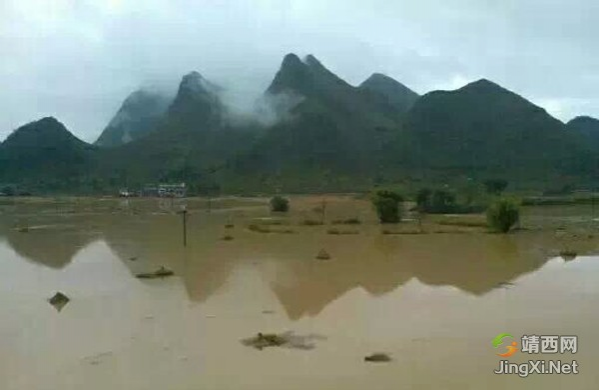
[507, 347]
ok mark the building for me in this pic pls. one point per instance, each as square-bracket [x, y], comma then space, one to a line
[165, 190]
[172, 190]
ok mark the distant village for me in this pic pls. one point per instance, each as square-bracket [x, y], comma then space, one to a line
[178, 190]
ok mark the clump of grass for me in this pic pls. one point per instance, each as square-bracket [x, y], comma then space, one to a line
[311, 222]
[229, 226]
[284, 231]
[398, 232]
[342, 232]
[349, 221]
[323, 255]
[270, 222]
[265, 229]
[258, 228]
[462, 222]
[227, 238]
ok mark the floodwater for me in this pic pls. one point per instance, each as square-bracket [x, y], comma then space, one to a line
[433, 302]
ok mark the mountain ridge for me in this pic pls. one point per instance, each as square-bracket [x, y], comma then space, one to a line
[330, 136]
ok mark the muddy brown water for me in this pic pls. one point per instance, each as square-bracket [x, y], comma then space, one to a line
[433, 302]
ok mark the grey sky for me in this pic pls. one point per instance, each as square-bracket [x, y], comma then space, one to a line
[78, 59]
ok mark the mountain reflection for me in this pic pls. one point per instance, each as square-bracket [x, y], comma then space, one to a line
[474, 263]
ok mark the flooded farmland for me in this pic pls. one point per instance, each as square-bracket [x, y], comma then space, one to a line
[430, 294]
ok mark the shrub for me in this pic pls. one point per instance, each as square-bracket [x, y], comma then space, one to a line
[443, 202]
[503, 214]
[387, 205]
[311, 222]
[279, 204]
[423, 199]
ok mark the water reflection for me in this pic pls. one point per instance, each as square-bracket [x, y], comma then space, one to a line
[51, 245]
[475, 264]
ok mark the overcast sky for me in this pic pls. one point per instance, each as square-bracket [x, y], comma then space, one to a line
[78, 59]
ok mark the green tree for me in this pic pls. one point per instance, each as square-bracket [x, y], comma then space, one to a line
[388, 206]
[495, 186]
[503, 214]
[443, 201]
[423, 199]
[8, 191]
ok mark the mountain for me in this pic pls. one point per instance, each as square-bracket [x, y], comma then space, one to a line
[328, 136]
[331, 132]
[485, 129]
[322, 89]
[588, 127]
[44, 151]
[191, 140]
[396, 94]
[140, 113]
[197, 105]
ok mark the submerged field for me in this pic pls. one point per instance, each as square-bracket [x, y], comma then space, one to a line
[430, 292]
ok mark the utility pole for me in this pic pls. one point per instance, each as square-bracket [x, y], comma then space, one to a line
[183, 213]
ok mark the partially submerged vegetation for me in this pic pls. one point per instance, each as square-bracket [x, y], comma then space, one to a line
[388, 206]
[279, 204]
[348, 221]
[568, 255]
[311, 222]
[257, 228]
[160, 273]
[285, 340]
[503, 214]
[335, 231]
[323, 255]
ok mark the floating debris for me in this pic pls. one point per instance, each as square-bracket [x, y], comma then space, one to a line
[59, 301]
[378, 357]
[133, 258]
[323, 255]
[229, 226]
[568, 255]
[23, 229]
[285, 340]
[268, 312]
[97, 359]
[160, 273]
